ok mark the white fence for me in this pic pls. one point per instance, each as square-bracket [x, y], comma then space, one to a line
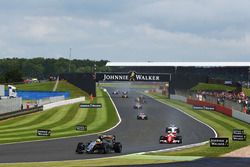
[10, 105]
[62, 103]
[241, 116]
[1, 90]
[42, 102]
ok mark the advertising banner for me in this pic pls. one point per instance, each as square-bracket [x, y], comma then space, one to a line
[239, 135]
[90, 105]
[208, 108]
[43, 132]
[133, 76]
[219, 142]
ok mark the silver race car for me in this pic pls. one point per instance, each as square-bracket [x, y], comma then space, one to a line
[142, 116]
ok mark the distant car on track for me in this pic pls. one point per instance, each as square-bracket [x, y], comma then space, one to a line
[116, 92]
[142, 116]
[140, 99]
[138, 106]
[172, 129]
[124, 94]
[103, 144]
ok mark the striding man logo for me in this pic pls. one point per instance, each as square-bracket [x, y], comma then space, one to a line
[132, 76]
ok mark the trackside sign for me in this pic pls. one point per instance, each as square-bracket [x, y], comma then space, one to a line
[43, 132]
[134, 76]
[81, 127]
[208, 108]
[90, 105]
[239, 135]
[219, 142]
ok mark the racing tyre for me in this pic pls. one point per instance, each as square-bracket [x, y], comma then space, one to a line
[118, 147]
[161, 138]
[180, 139]
[80, 148]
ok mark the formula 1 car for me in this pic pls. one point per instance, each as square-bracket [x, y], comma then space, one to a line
[137, 106]
[140, 99]
[116, 92]
[170, 138]
[124, 94]
[172, 129]
[103, 144]
[142, 116]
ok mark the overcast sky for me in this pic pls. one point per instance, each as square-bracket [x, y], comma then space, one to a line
[126, 30]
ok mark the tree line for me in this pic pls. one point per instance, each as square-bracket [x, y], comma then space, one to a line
[16, 69]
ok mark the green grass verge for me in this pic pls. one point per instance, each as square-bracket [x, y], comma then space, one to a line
[39, 86]
[246, 91]
[61, 120]
[223, 125]
[97, 162]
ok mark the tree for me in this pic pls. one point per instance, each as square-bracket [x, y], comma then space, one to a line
[13, 75]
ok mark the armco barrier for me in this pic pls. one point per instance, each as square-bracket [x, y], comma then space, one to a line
[218, 108]
[241, 116]
[64, 102]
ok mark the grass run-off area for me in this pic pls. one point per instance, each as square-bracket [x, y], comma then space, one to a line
[61, 121]
[48, 86]
[114, 161]
[217, 87]
[223, 125]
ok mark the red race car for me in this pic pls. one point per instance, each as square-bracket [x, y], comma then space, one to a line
[170, 138]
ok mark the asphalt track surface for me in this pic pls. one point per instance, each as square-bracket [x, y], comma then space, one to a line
[135, 135]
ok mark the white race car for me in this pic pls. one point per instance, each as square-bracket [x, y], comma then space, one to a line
[137, 106]
[172, 129]
[142, 116]
[124, 94]
[116, 92]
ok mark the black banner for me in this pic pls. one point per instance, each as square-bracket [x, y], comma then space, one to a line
[89, 105]
[238, 131]
[81, 127]
[133, 76]
[219, 142]
[239, 135]
[43, 132]
[208, 108]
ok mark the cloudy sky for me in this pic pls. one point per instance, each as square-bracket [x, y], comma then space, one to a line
[126, 30]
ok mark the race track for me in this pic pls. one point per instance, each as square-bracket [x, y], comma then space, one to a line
[135, 135]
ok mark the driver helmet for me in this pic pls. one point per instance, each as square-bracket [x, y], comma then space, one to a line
[98, 140]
